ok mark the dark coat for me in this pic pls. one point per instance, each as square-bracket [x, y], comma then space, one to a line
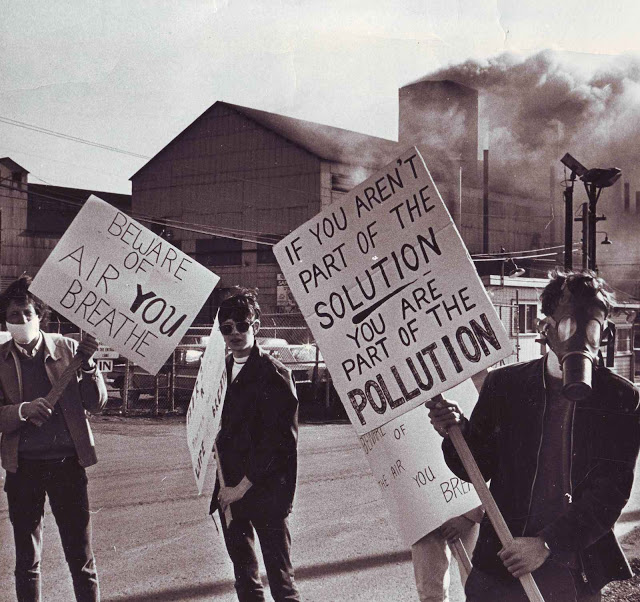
[258, 437]
[504, 434]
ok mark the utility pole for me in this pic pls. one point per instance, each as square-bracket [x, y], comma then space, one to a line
[593, 192]
[594, 181]
[568, 223]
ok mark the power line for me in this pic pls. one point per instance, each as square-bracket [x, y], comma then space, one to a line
[221, 232]
[41, 130]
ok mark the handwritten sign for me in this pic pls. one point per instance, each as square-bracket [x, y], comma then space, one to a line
[124, 284]
[418, 488]
[205, 409]
[391, 295]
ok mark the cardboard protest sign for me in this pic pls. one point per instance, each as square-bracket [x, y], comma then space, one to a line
[205, 409]
[124, 284]
[391, 295]
[418, 488]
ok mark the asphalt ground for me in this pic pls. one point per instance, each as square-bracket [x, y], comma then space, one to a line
[154, 540]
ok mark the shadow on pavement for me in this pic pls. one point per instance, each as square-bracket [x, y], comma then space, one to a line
[196, 592]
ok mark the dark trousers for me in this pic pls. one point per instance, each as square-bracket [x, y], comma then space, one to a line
[556, 583]
[275, 542]
[65, 482]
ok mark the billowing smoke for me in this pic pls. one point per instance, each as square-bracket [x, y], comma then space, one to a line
[535, 109]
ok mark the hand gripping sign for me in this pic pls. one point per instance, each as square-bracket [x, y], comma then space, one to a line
[391, 295]
[124, 284]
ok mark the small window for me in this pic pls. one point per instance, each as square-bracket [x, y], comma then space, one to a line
[525, 318]
[623, 340]
[219, 251]
[265, 254]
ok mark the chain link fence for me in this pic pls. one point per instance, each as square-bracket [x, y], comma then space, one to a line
[287, 337]
[133, 391]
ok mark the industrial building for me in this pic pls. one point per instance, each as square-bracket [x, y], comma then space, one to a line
[33, 217]
[254, 176]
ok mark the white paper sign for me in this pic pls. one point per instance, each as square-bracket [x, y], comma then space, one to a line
[122, 283]
[391, 295]
[418, 488]
[205, 409]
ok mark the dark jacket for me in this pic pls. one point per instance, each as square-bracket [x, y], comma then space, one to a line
[83, 393]
[504, 434]
[258, 437]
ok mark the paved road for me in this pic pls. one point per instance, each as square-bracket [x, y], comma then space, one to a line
[155, 542]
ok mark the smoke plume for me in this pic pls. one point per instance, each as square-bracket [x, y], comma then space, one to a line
[536, 108]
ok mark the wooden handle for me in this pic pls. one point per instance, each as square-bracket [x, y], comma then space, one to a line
[490, 506]
[460, 554]
[60, 385]
[54, 395]
[227, 512]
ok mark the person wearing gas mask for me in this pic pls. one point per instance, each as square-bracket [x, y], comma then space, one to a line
[45, 448]
[558, 438]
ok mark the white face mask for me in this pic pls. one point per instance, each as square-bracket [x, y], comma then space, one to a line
[24, 333]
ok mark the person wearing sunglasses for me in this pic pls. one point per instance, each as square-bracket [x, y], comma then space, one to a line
[257, 451]
[558, 438]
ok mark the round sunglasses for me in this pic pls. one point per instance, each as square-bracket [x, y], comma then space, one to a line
[241, 327]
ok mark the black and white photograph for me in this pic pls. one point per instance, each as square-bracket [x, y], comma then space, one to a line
[321, 301]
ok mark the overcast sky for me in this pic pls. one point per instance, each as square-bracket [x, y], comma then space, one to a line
[132, 74]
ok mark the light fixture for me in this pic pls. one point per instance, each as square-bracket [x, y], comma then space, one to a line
[607, 240]
[510, 269]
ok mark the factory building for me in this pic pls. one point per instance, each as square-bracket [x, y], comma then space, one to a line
[253, 176]
[33, 217]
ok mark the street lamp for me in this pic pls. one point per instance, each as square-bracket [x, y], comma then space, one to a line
[594, 181]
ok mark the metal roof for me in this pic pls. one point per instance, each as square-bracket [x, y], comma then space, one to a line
[77, 195]
[325, 142]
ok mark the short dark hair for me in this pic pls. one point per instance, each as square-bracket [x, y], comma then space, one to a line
[584, 284]
[241, 305]
[18, 291]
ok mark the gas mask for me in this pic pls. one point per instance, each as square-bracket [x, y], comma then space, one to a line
[575, 332]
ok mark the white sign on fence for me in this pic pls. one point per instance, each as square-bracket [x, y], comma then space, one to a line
[124, 284]
[391, 295]
[418, 488]
[205, 409]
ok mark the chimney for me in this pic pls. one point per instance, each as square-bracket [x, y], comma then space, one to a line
[627, 197]
[425, 109]
[485, 201]
[637, 201]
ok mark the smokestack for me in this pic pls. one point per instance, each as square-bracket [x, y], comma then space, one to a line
[441, 115]
[627, 196]
[637, 201]
[555, 224]
[485, 201]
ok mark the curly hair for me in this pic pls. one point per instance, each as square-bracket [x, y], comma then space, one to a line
[584, 284]
[241, 305]
[18, 291]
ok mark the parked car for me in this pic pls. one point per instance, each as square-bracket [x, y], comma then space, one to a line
[184, 363]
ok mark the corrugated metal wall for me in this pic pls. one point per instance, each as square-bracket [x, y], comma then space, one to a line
[228, 171]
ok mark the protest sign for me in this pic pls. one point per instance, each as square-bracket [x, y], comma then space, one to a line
[418, 488]
[124, 284]
[391, 295]
[205, 409]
